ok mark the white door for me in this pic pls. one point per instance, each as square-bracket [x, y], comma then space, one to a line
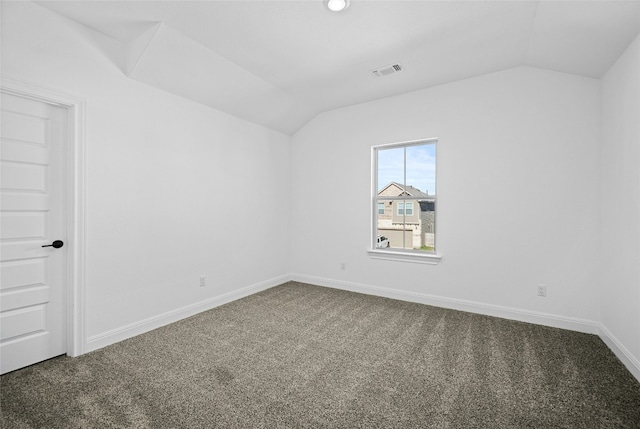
[32, 205]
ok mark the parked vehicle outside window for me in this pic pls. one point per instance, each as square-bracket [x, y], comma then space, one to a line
[383, 242]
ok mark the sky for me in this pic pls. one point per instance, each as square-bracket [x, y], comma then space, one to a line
[420, 167]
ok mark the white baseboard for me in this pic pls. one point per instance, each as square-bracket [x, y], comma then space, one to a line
[104, 339]
[570, 323]
[621, 352]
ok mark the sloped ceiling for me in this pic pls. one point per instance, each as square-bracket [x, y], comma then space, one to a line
[280, 63]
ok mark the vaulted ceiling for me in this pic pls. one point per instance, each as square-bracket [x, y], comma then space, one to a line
[280, 63]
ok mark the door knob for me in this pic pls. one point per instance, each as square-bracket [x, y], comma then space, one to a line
[56, 244]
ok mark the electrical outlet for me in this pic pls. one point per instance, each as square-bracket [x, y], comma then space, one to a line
[542, 290]
[343, 266]
[203, 281]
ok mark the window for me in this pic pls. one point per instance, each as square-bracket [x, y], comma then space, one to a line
[404, 176]
[405, 208]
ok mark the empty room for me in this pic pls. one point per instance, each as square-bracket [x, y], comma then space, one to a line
[320, 214]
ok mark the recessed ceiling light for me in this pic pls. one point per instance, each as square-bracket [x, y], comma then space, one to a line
[336, 5]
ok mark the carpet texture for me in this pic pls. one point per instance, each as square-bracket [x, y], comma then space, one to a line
[301, 356]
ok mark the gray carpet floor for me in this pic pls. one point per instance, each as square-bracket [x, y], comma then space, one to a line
[301, 356]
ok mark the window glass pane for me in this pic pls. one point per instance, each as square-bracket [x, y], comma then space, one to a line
[421, 169]
[390, 171]
[380, 208]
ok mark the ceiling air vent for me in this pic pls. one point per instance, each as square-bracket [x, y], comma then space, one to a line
[386, 70]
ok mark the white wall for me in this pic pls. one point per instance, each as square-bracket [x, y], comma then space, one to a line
[518, 200]
[620, 203]
[175, 190]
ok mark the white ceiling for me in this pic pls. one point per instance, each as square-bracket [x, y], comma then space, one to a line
[280, 63]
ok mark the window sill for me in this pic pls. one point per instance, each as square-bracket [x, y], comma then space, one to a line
[405, 256]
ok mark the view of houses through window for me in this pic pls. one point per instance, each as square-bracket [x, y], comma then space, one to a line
[405, 196]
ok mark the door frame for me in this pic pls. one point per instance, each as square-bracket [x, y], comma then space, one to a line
[75, 191]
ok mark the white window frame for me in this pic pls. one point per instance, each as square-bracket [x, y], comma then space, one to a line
[402, 255]
[379, 208]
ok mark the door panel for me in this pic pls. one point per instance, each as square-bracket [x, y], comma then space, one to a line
[17, 151]
[22, 273]
[22, 321]
[22, 298]
[32, 203]
[22, 225]
[23, 177]
[29, 129]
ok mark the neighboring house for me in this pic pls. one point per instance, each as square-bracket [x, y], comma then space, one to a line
[415, 217]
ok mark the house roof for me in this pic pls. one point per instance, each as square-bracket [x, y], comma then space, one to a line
[410, 190]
